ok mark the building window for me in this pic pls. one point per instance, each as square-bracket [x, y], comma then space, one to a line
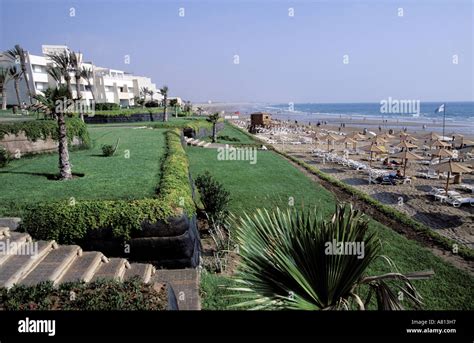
[38, 69]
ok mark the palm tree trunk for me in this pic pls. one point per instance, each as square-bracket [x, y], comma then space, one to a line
[78, 91]
[165, 116]
[214, 132]
[64, 165]
[92, 90]
[17, 91]
[68, 83]
[23, 70]
[4, 98]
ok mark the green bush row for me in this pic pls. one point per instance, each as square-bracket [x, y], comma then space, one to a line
[95, 296]
[42, 129]
[70, 222]
[129, 111]
[392, 213]
[106, 106]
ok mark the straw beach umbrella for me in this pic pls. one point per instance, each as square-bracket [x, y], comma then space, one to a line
[440, 144]
[406, 145]
[330, 138]
[386, 136]
[357, 136]
[374, 149]
[451, 167]
[442, 153]
[378, 140]
[405, 156]
[432, 136]
[348, 140]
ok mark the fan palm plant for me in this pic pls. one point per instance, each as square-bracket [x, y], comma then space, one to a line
[54, 103]
[18, 56]
[151, 92]
[16, 75]
[214, 118]
[87, 74]
[287, 263]
[164, 93]
[5, 77]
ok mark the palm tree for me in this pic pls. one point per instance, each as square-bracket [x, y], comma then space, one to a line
[151, 92]
[5, 77]
[62, 61]
[15, 54]
[76, 68]
[144, 91]
[199, 110]
[55, 73]
[16, 75]
[288, 261]
[48, 104]
[164, 93]
[88, 74]
[214, 118]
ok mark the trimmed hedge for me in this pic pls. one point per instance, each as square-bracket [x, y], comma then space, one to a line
[106, 106]
[70, 223]
[42, 129]
[95, 296]
[392, 213]
[128, 112]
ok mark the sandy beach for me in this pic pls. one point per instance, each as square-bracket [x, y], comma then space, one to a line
[413, 198]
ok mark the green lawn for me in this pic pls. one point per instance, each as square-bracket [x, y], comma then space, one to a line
[231, 132]
[26, 180]
[272, 181]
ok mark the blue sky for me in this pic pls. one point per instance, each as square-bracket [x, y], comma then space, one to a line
[282, 58]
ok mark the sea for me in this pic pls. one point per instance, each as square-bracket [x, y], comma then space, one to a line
[459, 116]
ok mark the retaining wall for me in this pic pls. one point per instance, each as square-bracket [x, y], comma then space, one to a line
[20, 143]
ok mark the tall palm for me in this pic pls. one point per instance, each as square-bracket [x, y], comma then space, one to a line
[76, 68]
[199, 110]
[62, 61]
[48, 104]
[214, 118]
[144, 91]
[164, 93]
[151, 92]
[87, 74]
[16, 75]
[19, 54]
[286, 263]
[5, 77]
[55, 73]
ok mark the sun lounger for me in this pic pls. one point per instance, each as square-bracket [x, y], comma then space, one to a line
[467, 187]
[457, 201]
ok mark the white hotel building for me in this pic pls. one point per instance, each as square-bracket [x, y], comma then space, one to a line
[108, 85]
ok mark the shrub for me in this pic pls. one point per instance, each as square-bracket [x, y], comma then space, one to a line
[106, 106]
[214, 196]
[99, 295]
[108, 150]
[68, 224]
[5, 157]
[228, 138]
[153, 103]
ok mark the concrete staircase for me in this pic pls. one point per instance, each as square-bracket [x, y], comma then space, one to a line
[25, 262]
[197, 142]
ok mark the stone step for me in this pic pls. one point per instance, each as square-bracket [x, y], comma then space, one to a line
[83, 267]
[206, 145]
[3, 231]
[201, 143]
[19, 265]
[11, 243]
[113, 269]
[53, 266]
[143, 270]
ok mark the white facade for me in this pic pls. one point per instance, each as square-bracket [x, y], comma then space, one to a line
[108, 85]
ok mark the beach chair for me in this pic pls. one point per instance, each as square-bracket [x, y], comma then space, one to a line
[467, 187]
[457, 201]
